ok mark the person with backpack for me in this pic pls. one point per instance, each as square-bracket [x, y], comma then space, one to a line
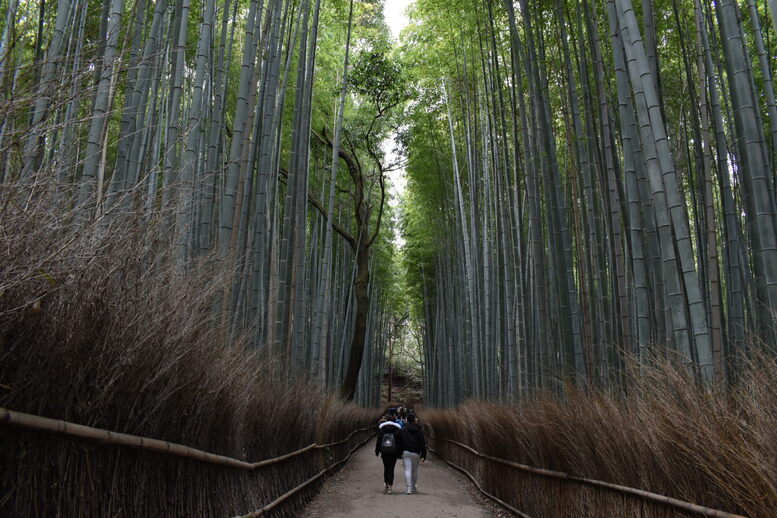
[389, 448]
[413, 451]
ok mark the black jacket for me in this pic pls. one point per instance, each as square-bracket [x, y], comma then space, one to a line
[389, 426]
[412, 439]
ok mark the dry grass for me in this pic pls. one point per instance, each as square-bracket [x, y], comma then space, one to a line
[99, 328]
[666, 436]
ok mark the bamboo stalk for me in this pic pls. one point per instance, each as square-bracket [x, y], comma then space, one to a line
[45, 424]
[647, 495]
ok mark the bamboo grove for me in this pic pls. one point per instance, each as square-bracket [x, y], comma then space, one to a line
[590, 183]
[199, 117]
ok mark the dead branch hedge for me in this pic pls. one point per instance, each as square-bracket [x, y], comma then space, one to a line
[100, 327]
[666, 436]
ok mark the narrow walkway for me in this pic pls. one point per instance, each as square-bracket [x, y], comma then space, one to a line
[357, 492]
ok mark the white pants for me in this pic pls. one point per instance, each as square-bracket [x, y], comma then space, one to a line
[410, 461]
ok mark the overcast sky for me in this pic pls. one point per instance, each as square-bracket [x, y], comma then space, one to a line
[394, 11]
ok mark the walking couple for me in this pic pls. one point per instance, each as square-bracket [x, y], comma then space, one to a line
[398, 438]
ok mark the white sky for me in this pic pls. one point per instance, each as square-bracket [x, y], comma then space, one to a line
[394, 12]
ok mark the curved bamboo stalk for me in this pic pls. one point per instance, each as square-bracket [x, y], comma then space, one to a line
[45, 424]
[639, 493]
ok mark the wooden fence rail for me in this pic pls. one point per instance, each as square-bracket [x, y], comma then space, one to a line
[480, 488]
[639, 493]
[57, 426]
[60, 427]
[309, 481]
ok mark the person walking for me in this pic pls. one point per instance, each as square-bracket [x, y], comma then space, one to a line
[389, 447]
[413, 451]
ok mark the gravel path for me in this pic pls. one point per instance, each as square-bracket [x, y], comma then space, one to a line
[357, 492]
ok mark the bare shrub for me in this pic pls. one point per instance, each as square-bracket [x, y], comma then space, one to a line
[99, 326]
[666, 435]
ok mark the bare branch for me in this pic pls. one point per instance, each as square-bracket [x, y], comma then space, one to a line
[320, 208]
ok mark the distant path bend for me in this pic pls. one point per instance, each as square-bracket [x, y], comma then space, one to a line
[357, 492]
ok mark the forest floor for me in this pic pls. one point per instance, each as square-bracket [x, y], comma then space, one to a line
[357, 492]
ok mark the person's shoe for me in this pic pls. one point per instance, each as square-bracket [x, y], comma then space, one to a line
[415, 489]
[409, 490]
[388, 490]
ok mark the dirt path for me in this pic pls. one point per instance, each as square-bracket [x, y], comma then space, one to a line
[357, 492]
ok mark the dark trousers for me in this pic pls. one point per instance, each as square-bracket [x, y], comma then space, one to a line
[389, 461]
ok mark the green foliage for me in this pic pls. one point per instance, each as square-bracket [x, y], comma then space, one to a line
[377, 78]
[373, 109]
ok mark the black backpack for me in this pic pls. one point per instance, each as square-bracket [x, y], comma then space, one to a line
[388, 444]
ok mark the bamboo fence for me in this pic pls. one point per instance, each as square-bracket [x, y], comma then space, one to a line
[639, 493]
[60, 427]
